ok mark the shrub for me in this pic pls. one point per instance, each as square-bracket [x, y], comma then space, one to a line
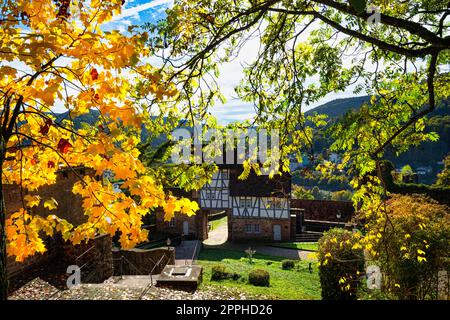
[234, 276]
[219, 272]
[419, 240]
[260, 278]
[287, 264]
[340, 264]
[440, 193]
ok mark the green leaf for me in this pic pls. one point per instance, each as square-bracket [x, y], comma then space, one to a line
[358, 5]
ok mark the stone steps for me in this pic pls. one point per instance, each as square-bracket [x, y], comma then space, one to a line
[308, 236]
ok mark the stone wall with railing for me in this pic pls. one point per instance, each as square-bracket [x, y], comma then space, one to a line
[142, 261]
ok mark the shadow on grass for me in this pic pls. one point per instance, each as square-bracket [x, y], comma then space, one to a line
[290, 246]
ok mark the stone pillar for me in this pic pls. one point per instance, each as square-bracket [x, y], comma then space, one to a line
[293, 226]
[230, 224]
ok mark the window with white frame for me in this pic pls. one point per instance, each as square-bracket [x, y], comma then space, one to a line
[252, 228]
[210, 194]
[245, 202]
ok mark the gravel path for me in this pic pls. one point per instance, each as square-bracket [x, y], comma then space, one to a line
[217, 236]
[38, 289]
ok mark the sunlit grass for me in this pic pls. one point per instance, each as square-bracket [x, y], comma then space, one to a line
[295, 284]
[307, 246]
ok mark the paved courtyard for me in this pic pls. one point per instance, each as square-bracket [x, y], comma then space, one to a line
[218, 238]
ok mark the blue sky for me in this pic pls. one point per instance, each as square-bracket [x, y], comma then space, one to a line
[137, 12]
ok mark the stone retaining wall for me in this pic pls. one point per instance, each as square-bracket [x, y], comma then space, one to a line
[325, 210]
[142, 261]
[94, 258]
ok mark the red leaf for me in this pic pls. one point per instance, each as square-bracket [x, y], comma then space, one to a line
[94, 74]
[50, 164]
[49, 122]
[44, 129]
[63, 146]
[33, 161]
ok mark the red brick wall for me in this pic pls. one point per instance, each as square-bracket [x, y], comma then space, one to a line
[198, 224]
[94, 258]
[69, 208]
[325, 210]
[69, 204]
[236, 229]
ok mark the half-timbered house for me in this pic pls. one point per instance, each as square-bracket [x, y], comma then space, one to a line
[258, 207]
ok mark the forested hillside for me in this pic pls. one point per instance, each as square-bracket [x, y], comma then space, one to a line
[428, 154]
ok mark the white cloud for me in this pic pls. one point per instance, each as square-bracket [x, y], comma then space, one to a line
[231, 74]
[134, 11]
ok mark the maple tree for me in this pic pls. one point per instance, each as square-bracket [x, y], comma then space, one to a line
[55, 54]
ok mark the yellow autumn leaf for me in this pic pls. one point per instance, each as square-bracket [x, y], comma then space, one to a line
[51, 204]
[32, 201]
[421, 259]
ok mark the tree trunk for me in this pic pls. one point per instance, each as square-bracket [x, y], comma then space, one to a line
[3, 270]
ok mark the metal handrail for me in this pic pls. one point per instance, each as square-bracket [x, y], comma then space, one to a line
[76, 259]
[147, 288]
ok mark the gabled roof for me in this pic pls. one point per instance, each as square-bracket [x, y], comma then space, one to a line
[259, 186]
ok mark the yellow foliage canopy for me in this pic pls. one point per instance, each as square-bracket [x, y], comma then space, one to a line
[56, 54]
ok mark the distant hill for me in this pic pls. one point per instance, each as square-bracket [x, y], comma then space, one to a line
[337, 108]
[428, 154]
[89, 118]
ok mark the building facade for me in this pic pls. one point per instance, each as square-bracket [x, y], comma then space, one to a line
[258, 207]
[193, 227]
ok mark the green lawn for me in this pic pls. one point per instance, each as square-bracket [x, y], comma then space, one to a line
[218, 222]
[295, 284]
[307, 246]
